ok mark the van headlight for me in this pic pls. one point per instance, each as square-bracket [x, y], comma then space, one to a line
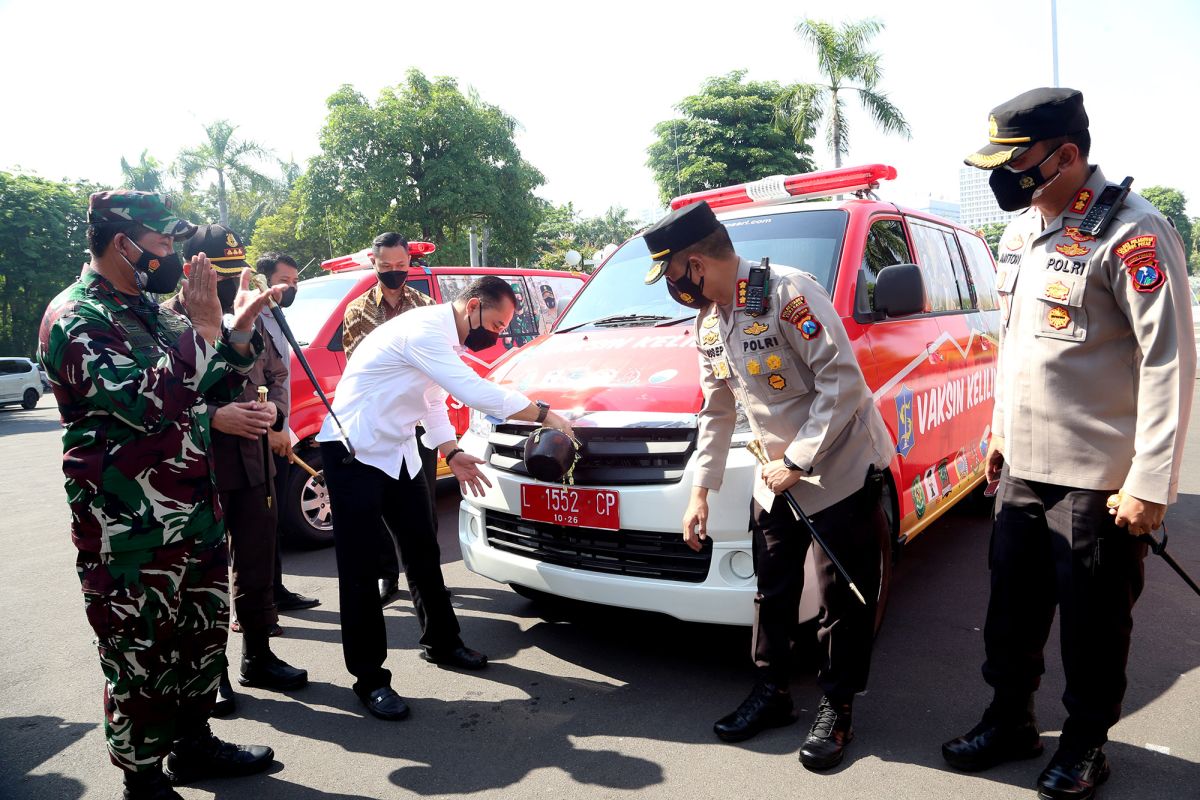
[742, 432]
[479, 425]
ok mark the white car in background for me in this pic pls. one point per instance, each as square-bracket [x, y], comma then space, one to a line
[20, 382]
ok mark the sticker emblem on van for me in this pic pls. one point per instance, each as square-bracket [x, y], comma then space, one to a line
[906, 434]
[918, 496]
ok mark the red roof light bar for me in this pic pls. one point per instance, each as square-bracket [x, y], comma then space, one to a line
[359, 260]
[779, 188]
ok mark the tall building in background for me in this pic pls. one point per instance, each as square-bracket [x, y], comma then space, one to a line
[976, 201]
[946, 209]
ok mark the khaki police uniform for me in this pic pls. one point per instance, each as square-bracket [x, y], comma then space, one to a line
[793, 371]
[1094, 389]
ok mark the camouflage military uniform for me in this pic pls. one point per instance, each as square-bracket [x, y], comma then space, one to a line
[132, 383]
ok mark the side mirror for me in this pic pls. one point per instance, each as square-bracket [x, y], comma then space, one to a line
[899, 291]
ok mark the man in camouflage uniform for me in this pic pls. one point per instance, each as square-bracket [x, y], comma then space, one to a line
[386, 300]
[132, 383]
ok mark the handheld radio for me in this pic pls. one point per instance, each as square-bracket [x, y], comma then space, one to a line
[756, 288]
[1100, 215]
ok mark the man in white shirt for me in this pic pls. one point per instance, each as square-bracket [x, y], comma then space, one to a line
[400, 375]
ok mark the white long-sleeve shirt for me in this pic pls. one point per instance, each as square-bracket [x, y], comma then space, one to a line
[400, 376]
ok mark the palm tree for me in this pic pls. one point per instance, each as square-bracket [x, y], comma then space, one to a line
[844, 60]
[229, 158]
[145, 176]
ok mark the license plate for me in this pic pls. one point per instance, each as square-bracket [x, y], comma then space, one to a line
[564, 505]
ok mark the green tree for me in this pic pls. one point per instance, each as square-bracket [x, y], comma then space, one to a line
[1173, 205]
[43, 245]
[844, 60]
[726, 135]
[1194, 254]
[562, 229]
[425, 160]
[991, 234]
[284, 231]
[145, 176]
[231, 160]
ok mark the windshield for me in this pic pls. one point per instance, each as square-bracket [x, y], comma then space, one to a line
[809, 240]
[315, 301]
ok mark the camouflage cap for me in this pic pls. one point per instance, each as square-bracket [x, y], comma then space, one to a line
[145, 208]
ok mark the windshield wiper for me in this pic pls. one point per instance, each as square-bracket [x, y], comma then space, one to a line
[675, 321]
[616, 319]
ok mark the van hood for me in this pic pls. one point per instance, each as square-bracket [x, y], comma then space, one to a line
[609, 369]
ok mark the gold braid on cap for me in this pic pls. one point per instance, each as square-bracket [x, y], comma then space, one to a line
[992, 161]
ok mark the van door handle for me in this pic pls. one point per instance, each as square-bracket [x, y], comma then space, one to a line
[934, 356]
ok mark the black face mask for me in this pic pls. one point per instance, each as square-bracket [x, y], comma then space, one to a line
[156, 274]
[227, 289]
[1015, 191]
[480, 338]
[289, 296]
[393, 279]
[687, 292]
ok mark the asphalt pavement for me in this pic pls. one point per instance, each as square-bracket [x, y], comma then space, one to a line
[579, 701]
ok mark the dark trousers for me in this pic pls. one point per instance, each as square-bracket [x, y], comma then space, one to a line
[389, 565]
[854, 528]
[252, 538]
[1057, 545]
[282, 470]
[363, 498]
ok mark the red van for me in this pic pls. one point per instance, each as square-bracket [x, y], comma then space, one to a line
[316, 320]
[917, 296]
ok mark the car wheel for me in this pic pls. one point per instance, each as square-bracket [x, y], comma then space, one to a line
[307, 515]
[30, 400]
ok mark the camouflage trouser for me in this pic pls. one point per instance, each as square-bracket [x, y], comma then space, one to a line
[160, 618]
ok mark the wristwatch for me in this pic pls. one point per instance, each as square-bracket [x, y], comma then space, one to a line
[787, 462]
[543, 410]
[232, 335]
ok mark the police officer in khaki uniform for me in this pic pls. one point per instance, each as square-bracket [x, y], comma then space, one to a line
[1094, 389]
[792, 368]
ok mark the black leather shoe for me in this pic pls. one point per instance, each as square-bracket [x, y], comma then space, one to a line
[388, 587]
[385, 704]
[990, 743]
[290, 601]
[766, 707]
[828, 736]
[226, 700]
[269, 671]
[1073, 775]
[148, 785]
[461, 657]
[204, 756]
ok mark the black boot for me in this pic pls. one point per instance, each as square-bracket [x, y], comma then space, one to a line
[1007, 732]
[828, 736]
[150, 784]
[200, 755]
[264, 669]
[767, 706]
[226, 700]
[1073, 774]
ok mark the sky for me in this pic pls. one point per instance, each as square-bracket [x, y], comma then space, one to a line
[84, 83]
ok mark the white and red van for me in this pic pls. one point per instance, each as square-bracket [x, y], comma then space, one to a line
[316, 320]
[622, 363]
